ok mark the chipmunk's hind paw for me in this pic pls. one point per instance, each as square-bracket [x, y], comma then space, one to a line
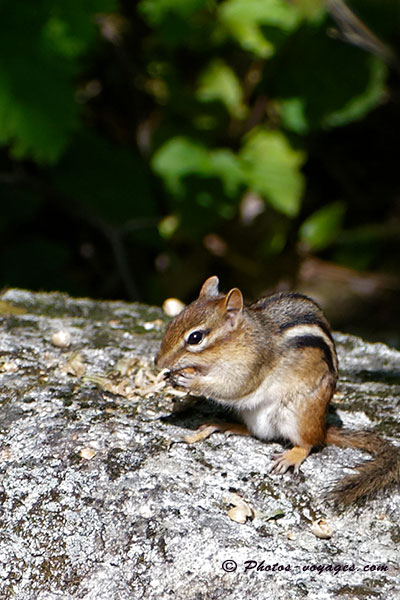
[291, 458]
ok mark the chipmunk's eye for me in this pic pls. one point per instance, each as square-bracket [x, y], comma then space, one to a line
[195, 338]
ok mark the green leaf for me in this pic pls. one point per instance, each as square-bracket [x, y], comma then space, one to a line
[40, 44]
[155, 11]
[70, 27]
[266, 164]
[177, 158]
[38, 111]
[226, 165]
[180, 157]
[272, 168]
[279, 13]
[251, 22]
[293, 115]
[219, 82]
[325, 83]
[320, 229]
[360, 104]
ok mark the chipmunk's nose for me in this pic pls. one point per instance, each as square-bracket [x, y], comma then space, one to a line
[159, 360]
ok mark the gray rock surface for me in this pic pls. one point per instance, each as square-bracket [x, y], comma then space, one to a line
[101, 500]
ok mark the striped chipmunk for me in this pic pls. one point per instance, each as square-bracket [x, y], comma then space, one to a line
[275, 363]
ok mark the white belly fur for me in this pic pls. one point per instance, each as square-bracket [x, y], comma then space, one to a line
[269, 413]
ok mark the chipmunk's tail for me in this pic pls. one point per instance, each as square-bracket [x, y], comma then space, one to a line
[382, 471]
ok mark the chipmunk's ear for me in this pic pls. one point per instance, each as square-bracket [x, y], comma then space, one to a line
[234, 306]
[210, 287]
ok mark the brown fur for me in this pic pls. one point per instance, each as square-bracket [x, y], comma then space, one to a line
[313, 417]
[383, 471]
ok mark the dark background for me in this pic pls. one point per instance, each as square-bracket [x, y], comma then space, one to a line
[146, 146]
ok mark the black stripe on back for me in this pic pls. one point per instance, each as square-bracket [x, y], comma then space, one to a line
[314, 341]
[307, 319]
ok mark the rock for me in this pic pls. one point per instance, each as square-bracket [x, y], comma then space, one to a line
[101, 499]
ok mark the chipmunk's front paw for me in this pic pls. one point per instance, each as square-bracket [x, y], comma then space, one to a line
[181, 378]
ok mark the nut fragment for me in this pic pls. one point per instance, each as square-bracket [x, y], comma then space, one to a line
[189, 370]
[87, 453]
[322, 529]
[241, 510]
[61, 338]
[172, 307]
[238, 514]
[125, 365]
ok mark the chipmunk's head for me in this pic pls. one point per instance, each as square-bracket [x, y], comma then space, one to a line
[197, 338]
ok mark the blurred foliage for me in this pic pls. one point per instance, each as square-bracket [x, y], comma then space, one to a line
[146, 145]
[322, 227]
[41, 45]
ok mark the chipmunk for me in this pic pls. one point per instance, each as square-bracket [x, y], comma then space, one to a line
[275, 363]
